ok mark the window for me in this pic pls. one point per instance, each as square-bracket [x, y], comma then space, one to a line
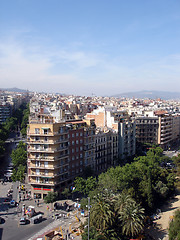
[37, 179]
[81, 134]
[46, 180]
[81, 155]
[37, 130]
[45, 147]
[37, 147]
[72, 158]
[77, 142]
[72, 150]
[45, 131]
[72, 134]
[38, 164]
[77, 134]
[81, 148]
[72, 142]
[46, 172]
[46, 164]
[77, 149]
[37, 138]
[77, 157]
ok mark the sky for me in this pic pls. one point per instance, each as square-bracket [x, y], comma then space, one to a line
[85, 47]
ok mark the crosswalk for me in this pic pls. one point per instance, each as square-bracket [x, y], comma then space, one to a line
[56, 223]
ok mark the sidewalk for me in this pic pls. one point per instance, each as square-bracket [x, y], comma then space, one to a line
[68, 221]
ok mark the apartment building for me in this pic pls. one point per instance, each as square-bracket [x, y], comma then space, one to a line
[127, 139]
[121, 123]
[76, 147]
[89, 143]
[47, 155]
[175, 128]
[5, 111]
[106, 149]
[165, 129]
[147, 130]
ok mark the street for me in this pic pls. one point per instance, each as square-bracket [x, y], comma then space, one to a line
[11, 229]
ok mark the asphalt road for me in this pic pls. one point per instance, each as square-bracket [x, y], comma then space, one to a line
[13, 231]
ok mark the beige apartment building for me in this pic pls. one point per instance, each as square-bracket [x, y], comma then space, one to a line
[47, 155]
[165, 129]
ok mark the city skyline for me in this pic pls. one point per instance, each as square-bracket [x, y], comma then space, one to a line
[78, 47]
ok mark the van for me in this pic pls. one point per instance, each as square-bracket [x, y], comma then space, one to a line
[36, 219]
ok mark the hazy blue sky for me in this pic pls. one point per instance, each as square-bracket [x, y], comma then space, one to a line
[82, 47]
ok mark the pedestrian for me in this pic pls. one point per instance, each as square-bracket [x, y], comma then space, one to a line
[38, 202]
[35, 202]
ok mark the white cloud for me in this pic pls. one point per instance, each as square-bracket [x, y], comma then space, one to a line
[82, 72]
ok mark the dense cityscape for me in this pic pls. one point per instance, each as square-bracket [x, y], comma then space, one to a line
[89, 120]
[63, 150]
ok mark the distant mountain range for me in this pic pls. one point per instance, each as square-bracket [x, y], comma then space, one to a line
[13, 89]
[139, 94]
[150, 94]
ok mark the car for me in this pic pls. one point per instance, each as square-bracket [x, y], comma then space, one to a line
[22, 221]
[12, 203]
[1, 220]
[7, 200]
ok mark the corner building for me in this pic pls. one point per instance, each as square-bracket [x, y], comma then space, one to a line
[47, 155]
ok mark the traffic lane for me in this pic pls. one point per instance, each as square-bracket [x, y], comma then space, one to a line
[12, 229]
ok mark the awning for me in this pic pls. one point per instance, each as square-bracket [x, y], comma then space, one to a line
[45, 128]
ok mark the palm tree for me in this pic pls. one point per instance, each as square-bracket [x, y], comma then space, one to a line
[101, 213]
[121, 201]
[132, 218]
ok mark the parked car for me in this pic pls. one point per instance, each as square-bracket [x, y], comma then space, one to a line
[23, 221]
[12, 203]
[7, 200]
[1, 220]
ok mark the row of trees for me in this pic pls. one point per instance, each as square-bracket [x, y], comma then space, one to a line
[11, 124]
[19, 155]
[145, 183]
[114, 216]
[19, 160]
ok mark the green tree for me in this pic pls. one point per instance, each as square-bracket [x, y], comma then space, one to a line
[19, 155]
[174, 227]
[101, 213]
[50, 197]
[132, 218]
[66, 192]
[80, 184]
[2, 148]
[19, 174]
[150, 200]
[85, 185]
[93, 234]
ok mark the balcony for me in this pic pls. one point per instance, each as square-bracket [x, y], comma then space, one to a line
[33, 166]
[51, 159]
[46, 134]
[52, 183]
[46, 150]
